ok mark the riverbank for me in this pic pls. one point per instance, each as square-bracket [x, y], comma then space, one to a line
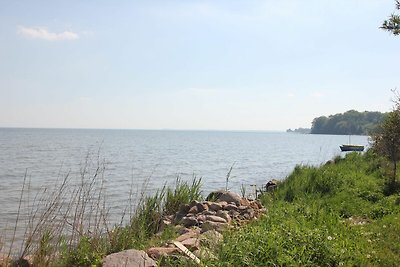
[336, 214]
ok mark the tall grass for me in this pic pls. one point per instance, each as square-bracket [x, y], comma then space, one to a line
[146, 221]
[68, 225]
[332, 215]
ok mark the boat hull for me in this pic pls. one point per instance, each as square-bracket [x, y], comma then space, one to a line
[345, 148]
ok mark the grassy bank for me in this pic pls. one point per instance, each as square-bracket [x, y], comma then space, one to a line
[339, 214]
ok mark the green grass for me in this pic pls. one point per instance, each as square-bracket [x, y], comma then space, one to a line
[333, 215]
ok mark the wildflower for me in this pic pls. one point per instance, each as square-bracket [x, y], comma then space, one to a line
[329, 237]
[384, 226]
[368, 256]
[369, 240]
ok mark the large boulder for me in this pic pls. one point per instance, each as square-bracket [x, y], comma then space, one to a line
[230, 197]
[131, 257]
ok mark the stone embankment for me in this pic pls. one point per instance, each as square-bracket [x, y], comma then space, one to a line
[199, 225]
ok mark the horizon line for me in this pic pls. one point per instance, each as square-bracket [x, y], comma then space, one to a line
[141, 129]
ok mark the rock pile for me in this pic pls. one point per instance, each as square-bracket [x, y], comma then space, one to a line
[200, 223]
[217, 215]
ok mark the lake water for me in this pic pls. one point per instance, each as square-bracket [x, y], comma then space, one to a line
[132, 157]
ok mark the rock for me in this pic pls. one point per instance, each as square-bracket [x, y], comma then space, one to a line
[158, 252]
[248, 215]
[191, 243]
[201, 218]
[179, 216]
[190, 234]
[131, 257]
[202, 207]
[242, 209]
[263, 210]
[193, 203]
[244, 202]
[234, 214]
[224, 214]
[209, 225]
[184, 208]
[260, 206]
[214, 218]
[193, 210]
[230, 207]
[230, 197]
[214, 206]
[189, 221]
[254, 205]
[208, 212]
[222, 203]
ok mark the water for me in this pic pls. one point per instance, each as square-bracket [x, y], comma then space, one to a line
[134, 156]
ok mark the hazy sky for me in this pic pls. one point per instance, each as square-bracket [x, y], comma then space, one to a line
[239, 65]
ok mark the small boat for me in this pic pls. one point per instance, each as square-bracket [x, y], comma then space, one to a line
[350, 147]
[345, 148]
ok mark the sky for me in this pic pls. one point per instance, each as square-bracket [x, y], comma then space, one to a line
[220, 65]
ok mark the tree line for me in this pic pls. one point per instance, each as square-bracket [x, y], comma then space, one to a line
[349, 122]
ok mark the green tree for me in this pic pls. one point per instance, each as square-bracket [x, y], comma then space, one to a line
[393, 23]
[386, 141]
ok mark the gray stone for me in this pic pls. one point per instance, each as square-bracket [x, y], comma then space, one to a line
[202, 207]
[194, 210]
[244, 202]
[230, 197]
[230, 207]
[214, 206]
[209, 225]
[208, 212]
[190, 234]
[242, 208]
[224, 214]
[189, 221]
[201, 218]
[184, 208]
[191, 243]
[214, 218]
[233, 213]
[131, 257]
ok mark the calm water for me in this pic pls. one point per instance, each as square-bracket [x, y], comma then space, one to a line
[134, 156]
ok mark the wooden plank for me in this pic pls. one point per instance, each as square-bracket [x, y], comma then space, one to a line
[187, 252]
